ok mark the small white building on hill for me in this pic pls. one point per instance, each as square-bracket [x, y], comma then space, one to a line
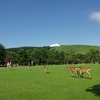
[55, 45]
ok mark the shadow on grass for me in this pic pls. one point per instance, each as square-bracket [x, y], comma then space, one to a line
[47, 72]
[81, 77]
[30, 70]
[94, 89]
[74, 76]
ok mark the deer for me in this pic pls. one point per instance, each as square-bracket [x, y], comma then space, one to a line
[82, 71]
[45, 69]
[73, 70]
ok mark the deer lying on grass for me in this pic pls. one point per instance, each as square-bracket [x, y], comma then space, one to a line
[82, 71]
[73, 70]
[45, 69]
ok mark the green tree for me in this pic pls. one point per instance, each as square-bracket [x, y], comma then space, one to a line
[87, 58]
[79, 58]
[52, 56]
[70, 57]
[94, 55]
[37, 56]
[14, 56]
[23, 56]
[2, 54]
[61, 57]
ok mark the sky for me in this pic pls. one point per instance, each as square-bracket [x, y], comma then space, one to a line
[44, 22]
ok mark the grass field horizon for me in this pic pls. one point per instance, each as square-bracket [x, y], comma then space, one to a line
[19, 83]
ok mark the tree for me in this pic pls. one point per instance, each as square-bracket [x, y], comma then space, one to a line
[87, 58]
[9, 58]
[14, 55]
[94, 55]
[23, 56]
[2, 54]
[52, 56]
[79, 58]
[70, 57]
[61, 57]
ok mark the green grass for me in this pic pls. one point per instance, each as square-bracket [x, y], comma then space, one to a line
[22, 84]
[83, 49]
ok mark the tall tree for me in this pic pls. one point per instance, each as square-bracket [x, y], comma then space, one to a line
[23, 56]
[2, 54]
[70, 57]
[14, 55]
[79, 58]
[9, 58]
[61, 57]
[94, 55]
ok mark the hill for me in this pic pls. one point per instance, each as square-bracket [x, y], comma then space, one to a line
[76, 48]
[66, 48]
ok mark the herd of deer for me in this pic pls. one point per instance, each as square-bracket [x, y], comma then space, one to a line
[79, 72]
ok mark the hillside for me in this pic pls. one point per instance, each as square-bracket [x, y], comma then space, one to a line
[76, 48]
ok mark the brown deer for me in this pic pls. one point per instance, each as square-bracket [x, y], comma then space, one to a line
[45, 69]
[82, 71]
[73, 70]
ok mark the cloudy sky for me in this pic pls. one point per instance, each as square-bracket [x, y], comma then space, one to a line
[45, 22]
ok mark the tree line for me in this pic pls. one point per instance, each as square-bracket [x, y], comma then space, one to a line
[46, 55]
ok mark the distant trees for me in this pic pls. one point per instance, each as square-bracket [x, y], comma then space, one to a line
[42, 56]
[46, 55]
[11, 57]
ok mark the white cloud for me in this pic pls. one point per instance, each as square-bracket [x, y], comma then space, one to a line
[54, 45]
[95, 16]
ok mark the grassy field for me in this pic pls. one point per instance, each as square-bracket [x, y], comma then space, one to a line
[83, 49]
[21, 84]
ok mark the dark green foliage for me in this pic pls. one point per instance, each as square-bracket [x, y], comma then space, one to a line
[2, 54]
[70, 54]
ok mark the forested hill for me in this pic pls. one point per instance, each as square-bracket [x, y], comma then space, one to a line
[17, 48]
[76, 48]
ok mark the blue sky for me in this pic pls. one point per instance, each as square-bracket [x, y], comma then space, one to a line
[45, 22]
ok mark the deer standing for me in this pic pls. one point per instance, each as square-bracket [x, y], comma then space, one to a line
[45, 69]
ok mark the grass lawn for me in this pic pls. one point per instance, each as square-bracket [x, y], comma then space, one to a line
[19, 83]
